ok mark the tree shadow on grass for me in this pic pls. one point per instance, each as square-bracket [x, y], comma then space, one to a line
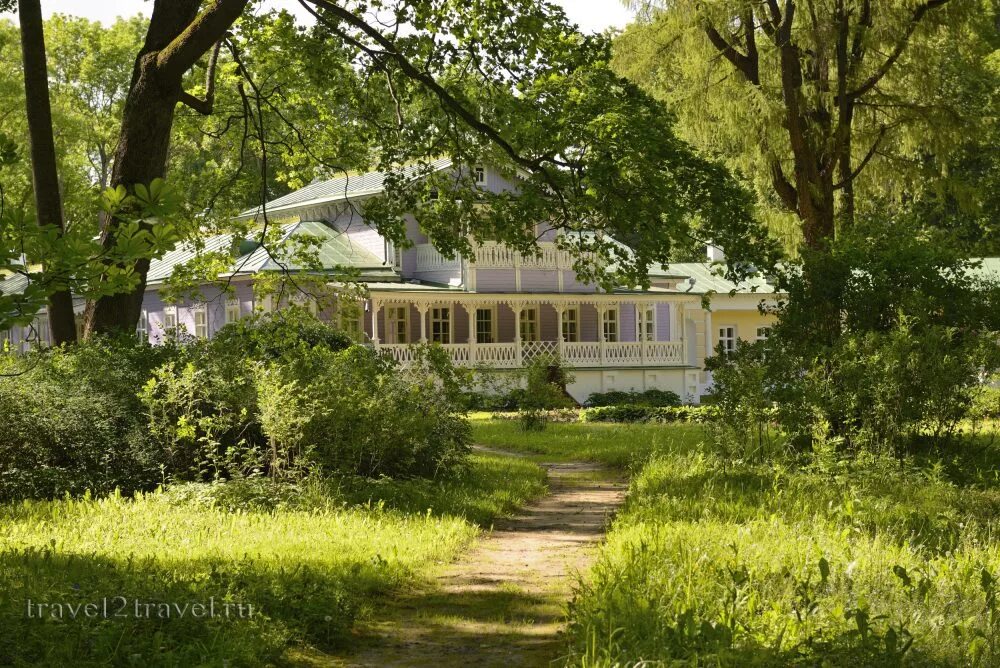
[128, 625]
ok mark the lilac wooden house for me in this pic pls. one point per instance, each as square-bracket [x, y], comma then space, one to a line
[497, 309]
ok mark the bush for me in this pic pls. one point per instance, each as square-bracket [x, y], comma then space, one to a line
[545, 389]
[72, 421]
[882, 343]
[352, 412]
[654, 398]
[630, 414]
[203, 406]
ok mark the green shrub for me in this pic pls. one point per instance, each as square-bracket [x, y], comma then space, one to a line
[353, 412]
[880, 344]
[546, 379]
[204, 406]
[72, 421]
[653, 397]
[629, 414]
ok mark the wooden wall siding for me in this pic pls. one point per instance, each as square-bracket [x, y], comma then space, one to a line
[505, 323]
[539, 280]
[663, 315]
[588, 322]
[571, 284]
[444, 276]
[495, 280]
[365, 237]
[548, 327]
[626, 322]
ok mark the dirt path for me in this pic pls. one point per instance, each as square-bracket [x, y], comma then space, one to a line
[502, 603]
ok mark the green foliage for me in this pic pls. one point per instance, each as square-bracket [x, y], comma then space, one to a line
[351, 412]
[731, 562]
[653, 398]
[73, 422]
[285, 392]
[643, 413]
[927, 125]
[545, 380]
[887, 296]
[239, 542]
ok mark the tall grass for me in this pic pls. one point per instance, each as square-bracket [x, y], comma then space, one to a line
[309, 563]
[612, 444]
[871, 562]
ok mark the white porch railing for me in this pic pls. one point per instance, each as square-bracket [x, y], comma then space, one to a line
[429, 259]
[496, 256]
[581, 354]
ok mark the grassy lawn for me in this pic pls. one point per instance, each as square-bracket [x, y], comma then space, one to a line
[308, 560]
[716, 562]
[612, 444]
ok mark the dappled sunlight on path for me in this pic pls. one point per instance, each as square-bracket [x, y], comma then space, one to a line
[503, 603]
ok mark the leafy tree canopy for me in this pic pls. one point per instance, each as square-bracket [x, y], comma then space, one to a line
[829, 106]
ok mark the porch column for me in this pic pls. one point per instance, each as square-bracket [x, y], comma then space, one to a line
[640, 330]
[375, 307]
[560, 309]
[422, 309]
[708, 335]
[517, 307]
[601, 338]
[681, 327]
[470, 311]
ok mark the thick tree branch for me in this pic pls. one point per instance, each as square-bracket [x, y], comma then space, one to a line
[897, 51]
[786, 191]
[745, 64]
[207, 29]
[389, 51]
[864, 162]
[204, 107]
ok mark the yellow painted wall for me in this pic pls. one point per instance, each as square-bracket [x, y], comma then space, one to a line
[746, 322]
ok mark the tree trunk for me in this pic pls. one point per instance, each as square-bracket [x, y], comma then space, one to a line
[176, 38]
[45, 176]
[141, 156]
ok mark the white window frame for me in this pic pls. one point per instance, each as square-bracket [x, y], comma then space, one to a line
[763, 332]
[40, 328]
[610, 326]
[351, 320]
[201, 311]
[646, 326]
[479, 175]
[569, 328]
[529, 324]
[170, 313]
[441, 321]
[234, 311]
[142, 328]
[727, 336]
[393, 322]
[492, 333]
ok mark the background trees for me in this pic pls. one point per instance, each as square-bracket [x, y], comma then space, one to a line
[830, 107]
[377, 84]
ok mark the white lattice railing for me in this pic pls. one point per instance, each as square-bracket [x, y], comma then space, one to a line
[532, 349]
[581, 354]
[664, 352]
[429, 259]
[498, 355]
[494, 256]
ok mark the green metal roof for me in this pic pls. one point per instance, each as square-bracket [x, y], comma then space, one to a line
[335, 251]
[343, 188]
[708, 277]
